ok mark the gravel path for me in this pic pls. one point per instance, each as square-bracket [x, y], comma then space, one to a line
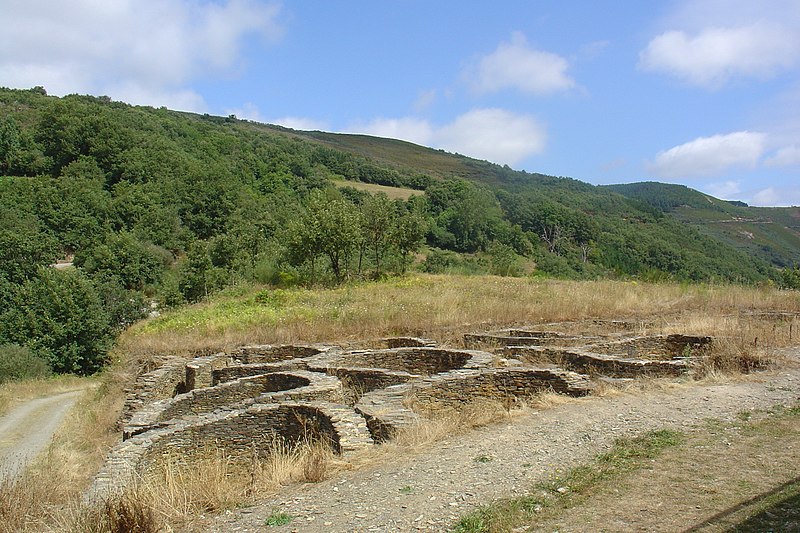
[430, 490]
[27, 429]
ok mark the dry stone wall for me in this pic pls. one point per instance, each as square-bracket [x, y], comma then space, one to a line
[658, 347]
[393, 408]
[242, 400]
[240, 433]
[423, 361]
[595, 364]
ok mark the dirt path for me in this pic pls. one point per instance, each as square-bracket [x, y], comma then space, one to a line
[428, 491]
[27, 429]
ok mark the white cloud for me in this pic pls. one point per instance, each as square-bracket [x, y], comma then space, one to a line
[709, 156]
[786, 156]
[496, 135]
[414, 130]
[711, 42]
[425, 100]
[170, 97]
[766, 197]
[726, 190]
[143, 51]
[299, 123]
[775, 196]
[247, 111]
[515, 65]
[715, 55]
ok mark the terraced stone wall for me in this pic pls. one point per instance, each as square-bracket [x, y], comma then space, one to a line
[458, 388]
[362, 380]
[251, 430]
[270, 354]
[594, 364]
[163, 382]
[393, 408]
[528, 338]
[207, 399]
[658, 347]
[200, 371]
[231, 373]
[415, 360]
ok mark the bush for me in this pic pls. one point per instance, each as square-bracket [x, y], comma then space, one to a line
[19, 362]
[440, 261]
[503, 260]
[60, 315]
[790, 278]
[556, 266]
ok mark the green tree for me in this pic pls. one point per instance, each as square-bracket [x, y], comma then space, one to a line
[790, 278]
[407, 234]
[19, 362]
[124, 258]
[378, 222]
[337, 224]
[60, 316]
[23, 246]
[502, 259]
[9, 144]
[198, 275]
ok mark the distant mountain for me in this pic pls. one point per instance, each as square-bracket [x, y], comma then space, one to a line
[771, 233]
[87, 173]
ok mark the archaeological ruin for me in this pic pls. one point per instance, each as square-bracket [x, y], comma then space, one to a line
[241, 401]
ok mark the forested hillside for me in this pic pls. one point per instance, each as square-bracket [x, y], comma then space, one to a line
[157, 207]
[771, 233]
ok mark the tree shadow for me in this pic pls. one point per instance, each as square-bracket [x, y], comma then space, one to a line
[775, 510]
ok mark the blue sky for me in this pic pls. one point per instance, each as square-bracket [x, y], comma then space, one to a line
[701, 92]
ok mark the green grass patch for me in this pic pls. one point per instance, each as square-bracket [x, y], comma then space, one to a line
[278, 518]
[566, 491]
[401, 193]
[248, 307]
[235, 311]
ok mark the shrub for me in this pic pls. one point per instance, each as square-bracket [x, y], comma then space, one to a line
[440, 261]
[19, 362]
[60, 315]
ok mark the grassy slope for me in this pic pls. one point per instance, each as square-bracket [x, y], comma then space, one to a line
[443, 308]
[772, 234]
[394, 193]
[408, 157]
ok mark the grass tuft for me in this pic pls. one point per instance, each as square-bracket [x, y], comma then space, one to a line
[278, 518]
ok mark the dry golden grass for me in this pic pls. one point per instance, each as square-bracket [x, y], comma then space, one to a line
[439, 307]
[172, 494]
[437, 423]
[394, 193]
[46, 497]
[179, 489]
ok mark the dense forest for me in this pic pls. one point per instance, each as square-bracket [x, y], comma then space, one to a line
[157, 208]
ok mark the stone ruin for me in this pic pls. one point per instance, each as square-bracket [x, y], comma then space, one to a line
[241, 401]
